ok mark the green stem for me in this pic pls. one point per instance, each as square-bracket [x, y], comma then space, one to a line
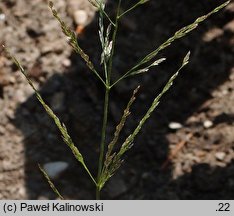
[133, 7]
[106, 105]
[99, 77]
[98, 193]
[103, 46]
[103, 139]
[113, 42]
[127, 74]
[121, 78]
[89, 173]
[104, 12]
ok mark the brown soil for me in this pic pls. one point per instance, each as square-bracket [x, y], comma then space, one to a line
[202, 166]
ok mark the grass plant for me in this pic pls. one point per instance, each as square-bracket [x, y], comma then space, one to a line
[110, 160]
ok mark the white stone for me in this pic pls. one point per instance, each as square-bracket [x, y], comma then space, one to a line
[207, 124]
[66, 62]
[175, 125]
[2, 16]
[225, 92]
[54, 169]
[22, 191]
[229, 26]
[20, 97]
[80, 17]
[220, 155]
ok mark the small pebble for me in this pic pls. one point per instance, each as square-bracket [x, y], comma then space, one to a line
[2, 17]
[220, 155]
[2, 129]
[208, 124]
[66, 62]
[54, 169]
[12, 80]
[22, 191]
[80, 17]
[20, 96]
[175, 125]
[230, 26]
[225, 92]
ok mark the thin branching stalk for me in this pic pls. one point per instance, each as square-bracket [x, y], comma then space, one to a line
[104, 60]
[128, 142]
[51, 184]
[179, 34]
[61, 126]
[133, 7]
[72, 40]
[103, 139]
[113, 159]
[108, 70]
[107, 16]
[109, 156]
[121, 124]
[114, 42]
[105, 43]
[99, 4]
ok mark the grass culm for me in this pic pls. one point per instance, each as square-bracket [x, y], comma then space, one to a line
[109, 159]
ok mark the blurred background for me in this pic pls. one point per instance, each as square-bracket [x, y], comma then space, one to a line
[186, 149]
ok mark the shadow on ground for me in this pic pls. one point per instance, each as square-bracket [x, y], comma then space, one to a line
[77, 99]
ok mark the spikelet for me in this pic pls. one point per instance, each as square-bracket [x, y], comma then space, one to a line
[109, 156]
[71, 36]
[62, 128]
[94, 3]
[113, 162]
[50, 182]
[72, 40]
[128, 142]
[179, 34]
[146, 69]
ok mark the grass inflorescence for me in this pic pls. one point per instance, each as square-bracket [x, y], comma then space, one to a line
[111, 159]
